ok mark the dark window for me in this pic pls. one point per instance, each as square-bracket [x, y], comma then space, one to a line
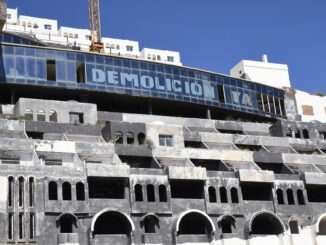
[35, 135]
[80, 70]
[234, 195]
[67, 223]
[141, 138]
[53, 116]
[305, 133]
[118, 137]
[266, 224]
[226, 224]
[297, 133]
[112, 223]
[41, 115]
[53, 191]
[322, 135]
[21, 191]
[195, 224]
[278, 106]
[139, 193]
[10, 226]
[150, 224]
[51, 70]
[187, 189]
[162, 193]
[31, 225]
[66, 191]
[300, 196]
[212, 194]
[223, 195]
[294, 227]
[21, 226]
[106, 188]
[130, 138]
[11, 191]
[280, 198]
[282, 107]
[150, 193]
[288, 132]
[289, 194]
[29, 114]
[220, 91]
[76, 118]
[31, 191]
[80, 191]
[257, 191]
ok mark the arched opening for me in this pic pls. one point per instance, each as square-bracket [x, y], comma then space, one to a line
[141, 138]
[234, 195]
[223, 195]
[41, 115]
[290, 196]
[11, 184]
[266, 223]
[53, 116]
[300, 196]
[151, 224]
[66, 191]
[139, 193]
[53, 190]
[67, 223]
[31, 191]
[21, 191]
[288, 132]
[305, 133]
[130, 138]
[280, 198]
[80, 191]
[322, 226]
[118, 137]
[29, 114]
[195, 223]
[112, 222]
[150, 193]
[162, 193]
[297, 133]
[227, 224]
[212, 194]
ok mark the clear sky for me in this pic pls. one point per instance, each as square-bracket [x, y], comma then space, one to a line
[211, 34]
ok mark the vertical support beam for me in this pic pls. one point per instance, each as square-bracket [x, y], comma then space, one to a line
[208, 113]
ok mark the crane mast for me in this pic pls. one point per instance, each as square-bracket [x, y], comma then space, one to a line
[95, 26]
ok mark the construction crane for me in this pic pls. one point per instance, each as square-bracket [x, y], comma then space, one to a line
[95, 25]
[3, 14]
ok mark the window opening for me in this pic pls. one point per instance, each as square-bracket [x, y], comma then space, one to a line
[290, 196]
[280, 198]
[187, 189]
[223, 195]
[163, 193]
[106, 188]
[266, 224]
[234, 195]
[80, 71]
[150, 224]
[139, 193]
[221, 96]
[41, 115]
[150, 193]
[297, 133]
[10, 226]
[212, 194]
[166, 140]
[53, 116]
[11, 191]
[260, 102]
[130, 138]
[294, 227]
[118, 138]
[305, 133]
[80, 191]
[66, 191]
[31, 191]
[21, 226]
[51, 70]
[21, 191]
[31, 225]
[266, 104]
[53, 191]
[76, 118]
[141, 138]
[300, 196]
[29, 114]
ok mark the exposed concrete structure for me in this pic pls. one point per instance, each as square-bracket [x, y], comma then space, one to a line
[179, 160]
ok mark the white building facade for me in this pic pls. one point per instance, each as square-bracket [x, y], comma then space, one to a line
[48, 31]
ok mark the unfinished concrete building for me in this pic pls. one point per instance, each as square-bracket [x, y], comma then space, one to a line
[97, 149]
